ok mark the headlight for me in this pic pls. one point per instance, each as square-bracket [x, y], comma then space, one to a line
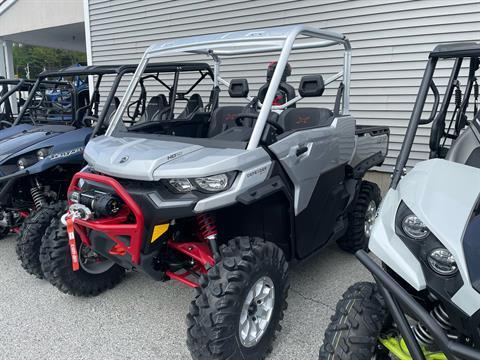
[442, 262]
[42, 153]
[22, 163]
[212, 183]
[208, 184]
[181, 185]
[414, 227]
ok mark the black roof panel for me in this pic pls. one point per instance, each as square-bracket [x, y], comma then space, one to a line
[114, 69]
[454, 50]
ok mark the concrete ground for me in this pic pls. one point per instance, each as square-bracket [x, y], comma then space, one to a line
[143, 319]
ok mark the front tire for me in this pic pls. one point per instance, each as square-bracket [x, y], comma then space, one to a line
[30, 237]
[356, 326]
[246, 289]
[56, 263]
[361, 218]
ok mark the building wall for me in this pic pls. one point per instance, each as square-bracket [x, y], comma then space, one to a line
[390, 39]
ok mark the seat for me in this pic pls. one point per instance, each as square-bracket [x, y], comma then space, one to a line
[304, 118]
[194, 104]
[223, 118]
[157, 108]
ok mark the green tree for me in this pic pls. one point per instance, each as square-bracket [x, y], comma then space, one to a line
[38, 58]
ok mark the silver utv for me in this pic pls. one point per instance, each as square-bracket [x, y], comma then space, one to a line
[226, 206]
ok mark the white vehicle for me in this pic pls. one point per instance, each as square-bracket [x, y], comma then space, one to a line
[426, 300]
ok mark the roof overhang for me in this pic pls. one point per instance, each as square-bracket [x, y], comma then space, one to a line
[54, 23]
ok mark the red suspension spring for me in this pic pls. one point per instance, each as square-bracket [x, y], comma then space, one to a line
[206, 225]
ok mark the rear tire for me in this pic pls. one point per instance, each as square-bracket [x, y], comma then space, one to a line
[30, 236]
[361, 216]
[357, 324]
[218, 314]
[56, 265]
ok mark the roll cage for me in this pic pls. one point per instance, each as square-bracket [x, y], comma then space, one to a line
[275, 39]
[92, 105]
[153, 71]
[439, 132]
[8, 87]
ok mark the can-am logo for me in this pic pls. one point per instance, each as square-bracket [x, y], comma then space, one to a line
[65, 154]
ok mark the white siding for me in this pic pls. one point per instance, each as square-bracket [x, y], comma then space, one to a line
[390, 38]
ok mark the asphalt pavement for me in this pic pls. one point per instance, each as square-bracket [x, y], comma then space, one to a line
[143, 319]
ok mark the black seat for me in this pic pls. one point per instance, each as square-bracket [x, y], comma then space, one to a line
[157, 108]
[303, 118]
[223, 118]
[194, 104]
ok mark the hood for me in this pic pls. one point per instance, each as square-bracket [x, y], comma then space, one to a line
[133, 158]
[456, 188]
[17, 138]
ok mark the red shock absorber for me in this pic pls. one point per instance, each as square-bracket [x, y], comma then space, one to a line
[206, 226]
[208, 231]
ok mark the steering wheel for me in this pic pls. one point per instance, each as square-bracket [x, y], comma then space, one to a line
[278, 128]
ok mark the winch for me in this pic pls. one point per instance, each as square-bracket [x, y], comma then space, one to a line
[100, 203]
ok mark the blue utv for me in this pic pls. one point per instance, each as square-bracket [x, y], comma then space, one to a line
[42, 147]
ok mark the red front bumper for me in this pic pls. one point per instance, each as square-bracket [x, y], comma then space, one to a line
[116, 226]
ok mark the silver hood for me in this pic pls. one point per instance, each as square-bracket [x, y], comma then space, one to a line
[133, 158]
[152, 159]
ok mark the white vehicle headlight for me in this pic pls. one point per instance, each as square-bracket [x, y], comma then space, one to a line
[181, 185]
[206, 184]
[442, 262]
[213, 183]
[414, 228]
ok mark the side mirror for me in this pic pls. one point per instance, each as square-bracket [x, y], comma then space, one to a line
[238, 88]
[311, 85]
